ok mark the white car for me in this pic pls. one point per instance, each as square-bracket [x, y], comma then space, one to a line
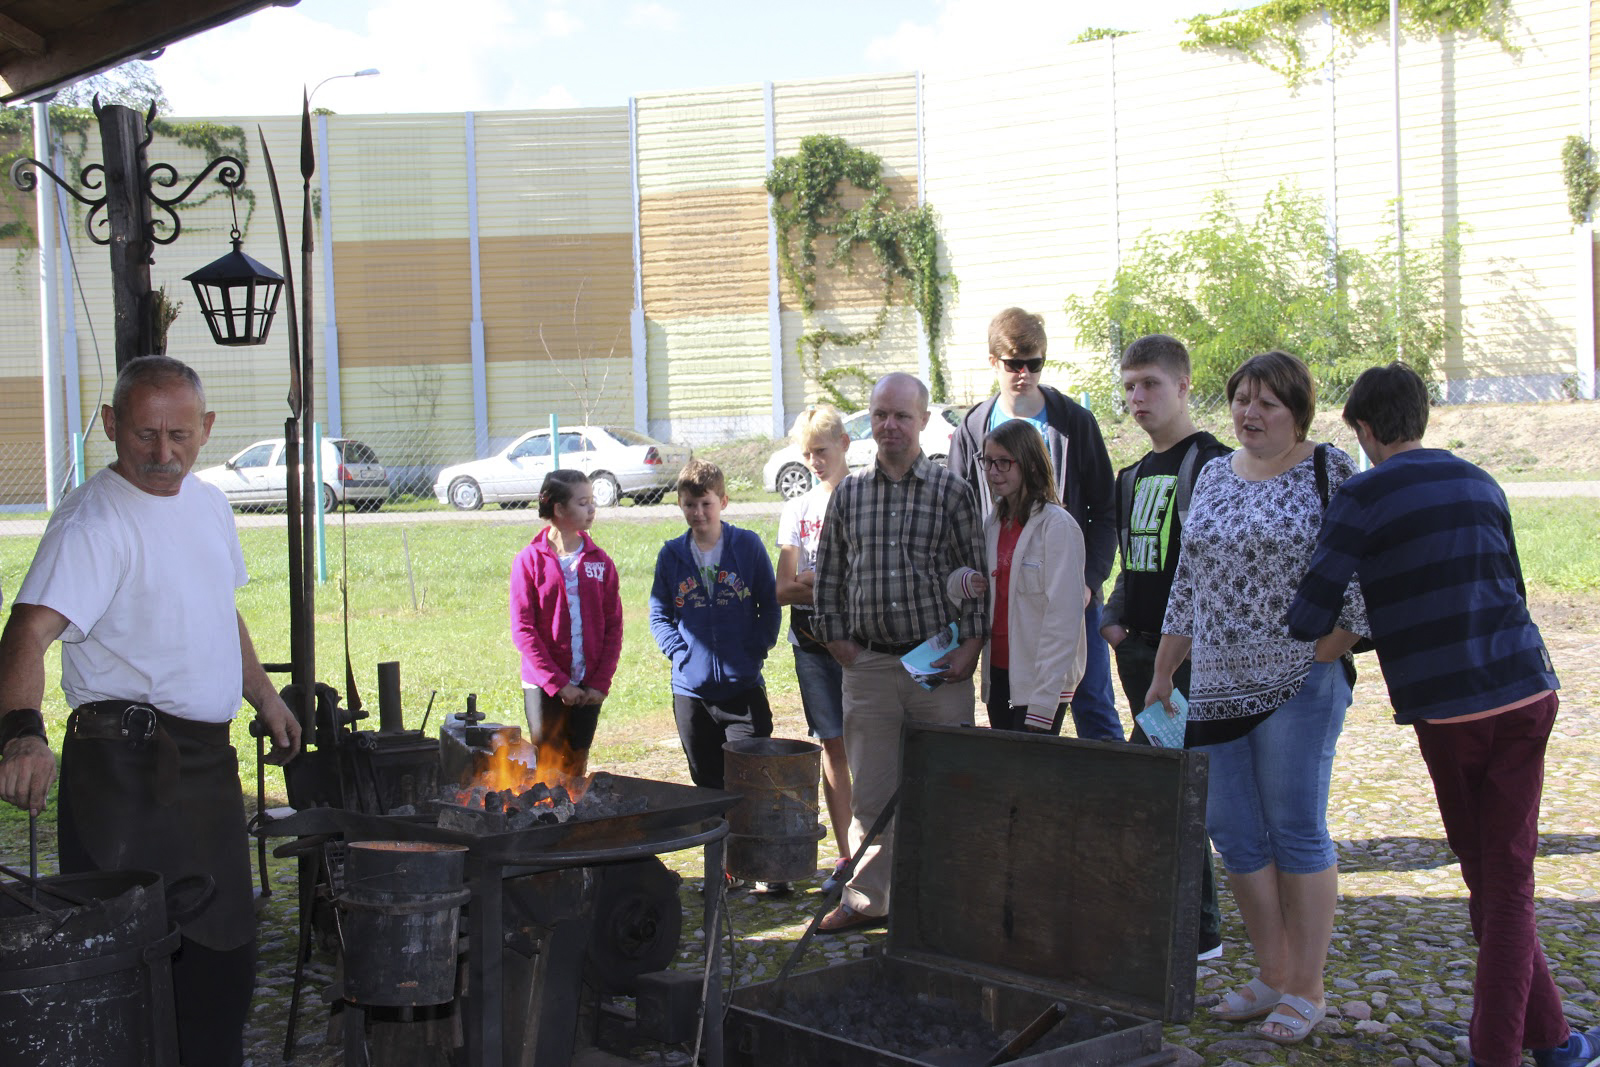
[258, 476]
[786, 472]
[619, 462]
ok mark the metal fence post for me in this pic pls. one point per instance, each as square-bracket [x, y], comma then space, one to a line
[322, 514]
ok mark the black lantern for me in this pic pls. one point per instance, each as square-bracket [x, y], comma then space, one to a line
[238, 296]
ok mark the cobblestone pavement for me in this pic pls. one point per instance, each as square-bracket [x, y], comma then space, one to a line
[1400, 967]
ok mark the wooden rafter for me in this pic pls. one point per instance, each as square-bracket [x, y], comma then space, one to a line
[90, 36]
[20, 37]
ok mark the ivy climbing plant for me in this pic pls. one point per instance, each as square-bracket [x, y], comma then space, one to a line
[1581, 176]
[809, 193]
[1269, 33]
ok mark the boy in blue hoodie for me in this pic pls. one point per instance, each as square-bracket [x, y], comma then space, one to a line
[714, 613]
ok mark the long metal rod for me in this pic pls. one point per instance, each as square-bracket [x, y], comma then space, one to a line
[302, 668]
[311, 491]
[1399, 185]
[55, 438]
[33, 855]
[838, 890]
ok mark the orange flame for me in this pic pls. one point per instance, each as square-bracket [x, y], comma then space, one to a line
[555, 763]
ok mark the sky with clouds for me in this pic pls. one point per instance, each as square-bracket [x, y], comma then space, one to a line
[494, 55]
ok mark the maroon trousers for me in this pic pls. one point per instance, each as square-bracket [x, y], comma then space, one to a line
[1488, 775]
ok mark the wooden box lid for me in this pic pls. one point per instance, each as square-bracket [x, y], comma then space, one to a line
[1070, 864]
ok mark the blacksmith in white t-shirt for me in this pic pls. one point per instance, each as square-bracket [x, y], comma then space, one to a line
[135, 575]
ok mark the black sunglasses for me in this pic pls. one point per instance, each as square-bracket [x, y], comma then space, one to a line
[1032, 366]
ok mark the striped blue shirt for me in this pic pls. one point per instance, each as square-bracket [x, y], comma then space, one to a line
[1429, 538]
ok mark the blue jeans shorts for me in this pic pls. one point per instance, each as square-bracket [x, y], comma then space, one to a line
[1267, 797]
[821, 692]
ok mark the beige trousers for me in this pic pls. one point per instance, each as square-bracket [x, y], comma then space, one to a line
[879, 696]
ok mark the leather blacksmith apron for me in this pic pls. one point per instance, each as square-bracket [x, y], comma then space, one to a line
[145, 790]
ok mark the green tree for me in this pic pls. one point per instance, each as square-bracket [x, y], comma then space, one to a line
[1235, 286]
[134, 84]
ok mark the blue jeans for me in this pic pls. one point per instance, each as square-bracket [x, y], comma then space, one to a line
[1267, 799]
[1094, 706]
[821, 692]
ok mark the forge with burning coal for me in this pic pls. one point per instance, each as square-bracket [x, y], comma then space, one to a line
[595, 796]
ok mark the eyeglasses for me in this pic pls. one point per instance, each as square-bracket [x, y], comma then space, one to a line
[1032, 366]
[996, 463]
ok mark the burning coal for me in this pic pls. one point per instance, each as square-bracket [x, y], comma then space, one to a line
[597, 797]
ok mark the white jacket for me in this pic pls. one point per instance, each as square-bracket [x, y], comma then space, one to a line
[1044, 610]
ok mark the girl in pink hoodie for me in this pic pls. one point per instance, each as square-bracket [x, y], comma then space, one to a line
[566, 620]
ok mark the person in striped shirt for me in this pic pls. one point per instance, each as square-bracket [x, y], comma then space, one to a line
[1429, 537]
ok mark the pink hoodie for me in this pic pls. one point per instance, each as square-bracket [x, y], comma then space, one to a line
[541, 626]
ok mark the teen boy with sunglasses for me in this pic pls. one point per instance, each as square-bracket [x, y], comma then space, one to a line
[1017, 344]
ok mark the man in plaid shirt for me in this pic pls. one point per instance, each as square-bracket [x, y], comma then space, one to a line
[892, 534]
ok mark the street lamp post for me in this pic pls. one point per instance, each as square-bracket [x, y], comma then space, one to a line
[369, 72]
[330, 318]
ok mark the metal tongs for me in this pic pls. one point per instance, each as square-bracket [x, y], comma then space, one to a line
[30, 899]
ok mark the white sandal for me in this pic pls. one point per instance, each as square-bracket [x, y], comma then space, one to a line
[1252, 1002]
[1299, 1025]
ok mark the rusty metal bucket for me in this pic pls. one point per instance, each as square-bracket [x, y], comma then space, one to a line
[86, 972]
[400, 908]
[774, 828]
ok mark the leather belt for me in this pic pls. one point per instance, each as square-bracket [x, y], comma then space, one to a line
[138, 723]
[113, 720]
[886, 649]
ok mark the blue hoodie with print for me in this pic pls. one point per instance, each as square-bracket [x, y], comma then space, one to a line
[715, 628]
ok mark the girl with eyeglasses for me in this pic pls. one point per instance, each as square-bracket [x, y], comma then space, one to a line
[1035, 652]
[1080, 473]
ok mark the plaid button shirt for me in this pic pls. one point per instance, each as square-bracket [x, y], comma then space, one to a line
[886, 550]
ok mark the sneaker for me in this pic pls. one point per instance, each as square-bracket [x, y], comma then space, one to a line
[770, 889]
[1581, 1050]
[1214, 952]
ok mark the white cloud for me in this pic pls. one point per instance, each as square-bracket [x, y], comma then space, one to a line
[559, 22]
[258, 64]
[653, 16]
[556, 96]
[985, 34]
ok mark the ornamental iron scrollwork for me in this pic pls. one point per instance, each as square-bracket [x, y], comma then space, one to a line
[229, 171]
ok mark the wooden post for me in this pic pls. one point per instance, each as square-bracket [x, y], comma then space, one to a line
[122, 133]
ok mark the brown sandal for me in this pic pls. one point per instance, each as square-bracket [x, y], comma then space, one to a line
[844, 917]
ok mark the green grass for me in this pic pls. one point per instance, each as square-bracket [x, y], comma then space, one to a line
[456, 640]
[1558, 541]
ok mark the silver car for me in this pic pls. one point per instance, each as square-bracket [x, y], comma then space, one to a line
[258, 475]
[786, 472]
[619, 462]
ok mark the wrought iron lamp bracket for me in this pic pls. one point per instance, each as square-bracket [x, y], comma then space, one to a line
[27, 180]
[165, 175]
[229, 169]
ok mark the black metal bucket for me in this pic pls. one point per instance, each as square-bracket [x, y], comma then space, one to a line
[400, 909]
[88, 983]
[773, 830]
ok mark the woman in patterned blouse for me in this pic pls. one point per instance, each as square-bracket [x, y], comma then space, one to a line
[1267, 709]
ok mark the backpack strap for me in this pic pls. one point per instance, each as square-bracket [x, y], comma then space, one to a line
[1185, 487]
[1319, 463]
[1124, 504]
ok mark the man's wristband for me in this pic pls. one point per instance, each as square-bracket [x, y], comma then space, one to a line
[21, 722]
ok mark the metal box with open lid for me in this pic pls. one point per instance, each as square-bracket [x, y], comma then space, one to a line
[1027, 869]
